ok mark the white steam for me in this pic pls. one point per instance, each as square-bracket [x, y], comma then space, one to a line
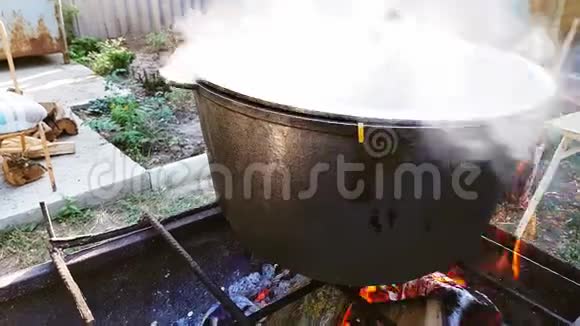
[408, 59]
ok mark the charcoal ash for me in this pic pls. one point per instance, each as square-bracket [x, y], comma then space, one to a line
[255, 291]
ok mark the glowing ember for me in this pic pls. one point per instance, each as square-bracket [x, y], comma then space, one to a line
[516, 260]
[456, 274]
[422, 287]
[262, 295]
[503, 263]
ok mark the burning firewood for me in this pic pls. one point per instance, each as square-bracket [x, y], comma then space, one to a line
[19, 170]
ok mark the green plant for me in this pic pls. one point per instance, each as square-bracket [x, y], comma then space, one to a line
[103, 125]
[152, 82]
[134, 126]
[72, 213]
[181, 98]
[159, 41]
[80, 48]
[69, 13]
[112, 56]
[126, 114]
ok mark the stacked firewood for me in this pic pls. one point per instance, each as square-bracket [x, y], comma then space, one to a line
[58, 122]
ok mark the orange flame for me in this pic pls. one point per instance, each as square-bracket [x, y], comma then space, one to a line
[367, 292]
[456, 274]
[516, 260]
[346, 317]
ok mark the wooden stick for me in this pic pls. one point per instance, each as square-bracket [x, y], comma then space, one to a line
[566, 46]
[8, 53]
[46, 214]
[37, 151]
[542, 187]
[57, 258]
[86, 239]
[23, 143]
[47, 157]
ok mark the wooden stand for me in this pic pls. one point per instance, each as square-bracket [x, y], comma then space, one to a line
[21, 135]
[24, 133]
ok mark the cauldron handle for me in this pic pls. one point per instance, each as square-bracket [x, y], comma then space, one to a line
[191, 86]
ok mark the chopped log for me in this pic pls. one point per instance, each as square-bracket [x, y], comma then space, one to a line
[59, 120]
[50, 107]
[51, 133]
[68, 126]
[65, 121]
[34, 147]
[19, 171]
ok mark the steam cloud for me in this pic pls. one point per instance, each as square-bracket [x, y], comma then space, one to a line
[393, 59]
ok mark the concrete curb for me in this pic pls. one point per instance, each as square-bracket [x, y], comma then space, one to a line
[186, 175]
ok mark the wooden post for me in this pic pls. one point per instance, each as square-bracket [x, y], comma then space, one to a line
[542, 187]
[23, 143]
[8, 53]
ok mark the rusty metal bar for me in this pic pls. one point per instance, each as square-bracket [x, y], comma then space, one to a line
[57, 258]
[223, 298]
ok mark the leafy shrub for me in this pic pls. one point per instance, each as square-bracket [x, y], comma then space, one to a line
[133, 126]
[103, 125]
[125, 112]
[80, 48]
[112, 56]
[160, 41]
[181, 98]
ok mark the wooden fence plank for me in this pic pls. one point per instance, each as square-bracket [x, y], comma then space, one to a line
[110, 18]
[122, 17]
[156, 14]
[166, 14]
[115, 18]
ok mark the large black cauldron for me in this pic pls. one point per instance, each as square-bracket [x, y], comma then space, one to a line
[339, 236]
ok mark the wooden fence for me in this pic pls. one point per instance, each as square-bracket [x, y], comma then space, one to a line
[114, 18]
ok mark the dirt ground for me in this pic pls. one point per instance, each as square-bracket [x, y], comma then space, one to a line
[182, 132]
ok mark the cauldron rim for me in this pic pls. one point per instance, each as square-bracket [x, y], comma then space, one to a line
[343, 119]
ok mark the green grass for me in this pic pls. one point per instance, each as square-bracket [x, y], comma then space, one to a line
[27, 245]
[158, 204]
[570, 251]
[71, 213]
[23, 246]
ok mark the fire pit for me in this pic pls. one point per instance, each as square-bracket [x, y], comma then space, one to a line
[359, 199]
